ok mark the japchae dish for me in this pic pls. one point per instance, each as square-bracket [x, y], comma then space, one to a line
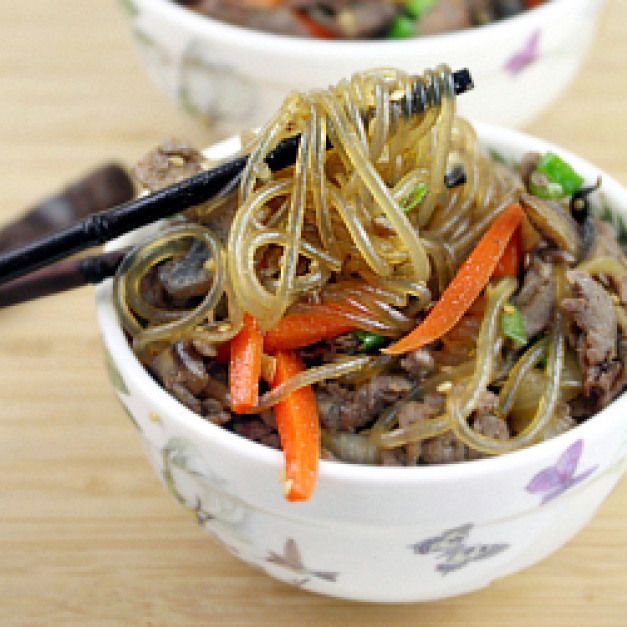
[398, 296]
[360, 19]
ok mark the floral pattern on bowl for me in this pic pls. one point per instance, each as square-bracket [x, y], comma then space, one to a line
[555, 480]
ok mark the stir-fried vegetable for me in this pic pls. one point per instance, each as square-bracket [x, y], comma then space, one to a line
[245, 366]
[369, 341]
[554, 178]
[417, 8]
[416, 197]
[466, 286]
[403, 27]
[509, 263]
[299, 330]
[299, 430]
[513, 325]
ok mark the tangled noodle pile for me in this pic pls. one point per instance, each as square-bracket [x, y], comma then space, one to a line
[363, 227]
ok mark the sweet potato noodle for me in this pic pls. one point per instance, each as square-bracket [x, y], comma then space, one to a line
[363, 230]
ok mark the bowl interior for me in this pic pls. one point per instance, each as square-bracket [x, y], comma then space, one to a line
[510, 145]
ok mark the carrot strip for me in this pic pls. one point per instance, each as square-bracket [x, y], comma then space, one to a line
[299, 430]
[509, 263]
[472, 276]
[314, 28]
[245, 366]
[299, 330]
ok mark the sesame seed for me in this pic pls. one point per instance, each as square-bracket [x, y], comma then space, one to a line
[177, 161]
[287, 486]
[445, 387]
[509, 309]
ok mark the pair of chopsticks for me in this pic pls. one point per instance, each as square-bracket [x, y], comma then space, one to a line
[103, 226]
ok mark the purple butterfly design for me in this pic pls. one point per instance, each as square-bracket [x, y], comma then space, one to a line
[292, 560]
[453, 551]
[527, 55]
[554, 480]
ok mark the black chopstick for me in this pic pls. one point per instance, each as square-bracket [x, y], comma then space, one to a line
[60, 277]
[66, 275]
[107, 225]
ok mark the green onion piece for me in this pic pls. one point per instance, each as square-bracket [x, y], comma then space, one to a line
[417, 8]
[369, 341]
[513, 325]
[541, 186]
[558, 171]
[403, 27]
[415, 197]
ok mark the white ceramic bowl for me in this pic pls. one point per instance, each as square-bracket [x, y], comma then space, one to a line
[234, 77]
[379, 533]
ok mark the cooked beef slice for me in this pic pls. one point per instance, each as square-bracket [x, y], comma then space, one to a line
[167, 164]
[344, 409]
[536, 298]
[445, 16]
[413, 411]
[276, 20]
[595, 336]
[258, 431]
[443, 449]
[604, 243]
[214, 411]
[349, 19]
[181, 371]
[418, 364]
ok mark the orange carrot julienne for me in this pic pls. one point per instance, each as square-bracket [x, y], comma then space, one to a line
[299, 430]
[303, 329]
[472, 276]
[509, 263]
[245, 366]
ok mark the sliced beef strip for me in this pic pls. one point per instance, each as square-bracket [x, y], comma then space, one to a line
[152, 291]
[277, 20]
[413, 411]
[444, 449]
[214, 411]
[192, 373]
[182, 394]
[445, 16]
[167, 164]
[407, 455]
[536, 298]
[258, 431]
[343, 409]
[595, 336]
[181, 371]
[418, 364]
[605, 244]
[349, 19]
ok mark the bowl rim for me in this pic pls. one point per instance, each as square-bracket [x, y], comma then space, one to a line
[254, 39]
[116, 344]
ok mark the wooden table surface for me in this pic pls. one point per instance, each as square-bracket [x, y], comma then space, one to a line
[87, 534]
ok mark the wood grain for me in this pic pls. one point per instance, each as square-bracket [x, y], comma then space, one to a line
[87, 535]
